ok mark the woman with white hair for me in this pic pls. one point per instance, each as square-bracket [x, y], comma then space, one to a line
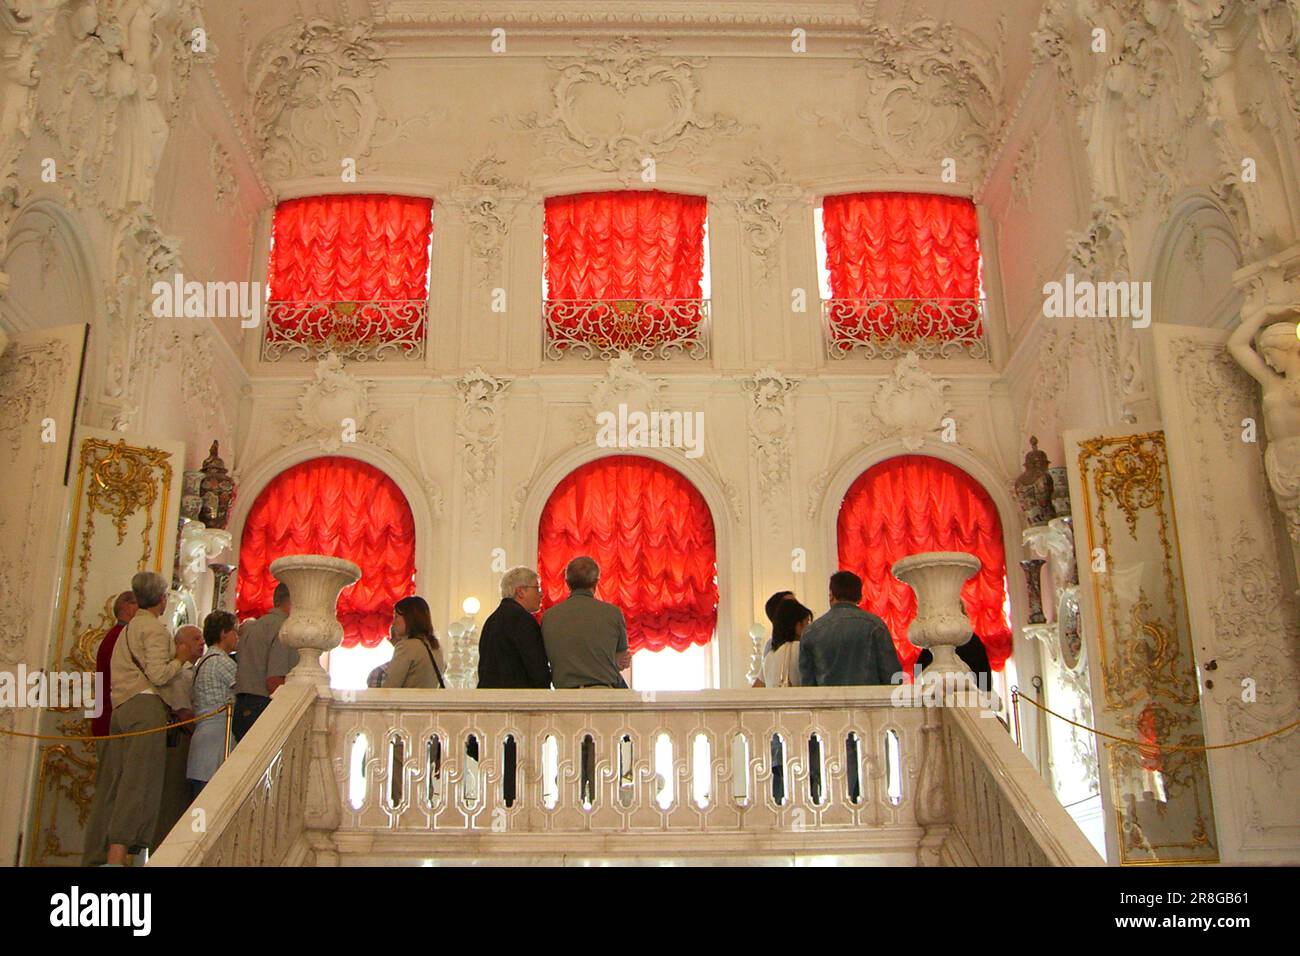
[152, 675]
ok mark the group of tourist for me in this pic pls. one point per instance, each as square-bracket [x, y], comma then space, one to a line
[146, 780]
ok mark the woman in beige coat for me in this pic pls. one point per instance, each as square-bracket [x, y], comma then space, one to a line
[417, 656]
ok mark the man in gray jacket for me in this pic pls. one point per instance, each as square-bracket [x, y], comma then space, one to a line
[585, 639]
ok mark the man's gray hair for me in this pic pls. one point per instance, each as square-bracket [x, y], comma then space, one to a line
[516, 578]
[582, 572]
[185, 628]
[149, 588]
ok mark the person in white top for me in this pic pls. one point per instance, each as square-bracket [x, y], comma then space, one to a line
[781, 665]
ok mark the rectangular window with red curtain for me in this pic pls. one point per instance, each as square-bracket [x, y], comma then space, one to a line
[350, 275]
[625, 272]
[903, 271]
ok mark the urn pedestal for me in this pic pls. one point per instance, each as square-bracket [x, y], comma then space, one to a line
[941, 623]
[314, 582]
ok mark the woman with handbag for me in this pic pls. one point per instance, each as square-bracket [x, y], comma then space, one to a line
[417, 656]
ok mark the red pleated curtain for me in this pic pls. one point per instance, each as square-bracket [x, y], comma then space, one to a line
[353, 248]
[901, 246]
[652, 534]
[913, 504]
[339, 507]
[627, 245]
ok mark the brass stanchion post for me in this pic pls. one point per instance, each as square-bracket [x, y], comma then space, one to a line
[230, 715]
[1015, 711]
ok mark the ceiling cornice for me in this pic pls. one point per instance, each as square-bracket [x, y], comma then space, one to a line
[714, 18]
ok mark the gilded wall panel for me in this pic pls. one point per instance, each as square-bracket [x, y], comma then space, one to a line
[1145, 685]
[124, 508]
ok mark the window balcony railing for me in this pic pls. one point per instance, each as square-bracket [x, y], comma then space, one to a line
[358, 331]
[890, 328]
[647, 328]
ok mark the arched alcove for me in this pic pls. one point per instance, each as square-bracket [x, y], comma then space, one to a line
[651, 531]
[51, 279]
[728, 658]
[1193, 258]
[342, 507]
[909, 504]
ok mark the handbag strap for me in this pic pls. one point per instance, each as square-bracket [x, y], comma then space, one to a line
[432, 660]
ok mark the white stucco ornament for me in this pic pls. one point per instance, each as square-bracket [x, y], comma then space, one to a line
[909, 406]
[334, 405]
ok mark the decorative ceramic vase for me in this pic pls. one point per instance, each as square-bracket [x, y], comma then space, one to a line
[1033, 568]
[217, 490]
[314, 582]
[1060, 490]
[1034, 487]
[941, 623]
[191, 495]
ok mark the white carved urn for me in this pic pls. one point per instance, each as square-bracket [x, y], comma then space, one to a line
[941, 623]
[314, 582]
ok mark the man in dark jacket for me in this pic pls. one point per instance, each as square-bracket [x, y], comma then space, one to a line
[510, 649]
[511, 653]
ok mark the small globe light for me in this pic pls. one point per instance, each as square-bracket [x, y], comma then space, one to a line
[470, 606]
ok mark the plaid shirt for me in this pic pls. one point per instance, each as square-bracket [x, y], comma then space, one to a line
[215, 680]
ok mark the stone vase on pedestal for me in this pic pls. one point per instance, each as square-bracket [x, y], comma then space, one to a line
[314, 582]
[941, 624]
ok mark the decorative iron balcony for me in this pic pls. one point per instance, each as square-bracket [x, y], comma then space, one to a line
[358, 331]
[648, 328]
[889, 328]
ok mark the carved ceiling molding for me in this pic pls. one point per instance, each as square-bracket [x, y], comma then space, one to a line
[1101, 252]
[1022, 173]
[142, 255]
[720, 17]
[910, 406]
[314, 100]
[932, 91]
[225, 188]
[124, 82]
[626, 65]
[487, 200]
[25, 27]
[762, 198]
[188, 347]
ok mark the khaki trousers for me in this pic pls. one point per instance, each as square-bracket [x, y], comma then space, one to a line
[129, 781]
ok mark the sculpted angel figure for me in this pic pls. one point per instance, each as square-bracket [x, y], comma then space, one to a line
[1273, 359]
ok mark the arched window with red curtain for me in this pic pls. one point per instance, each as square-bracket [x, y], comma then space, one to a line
[339, 507]
[916, 251]
[349, 268]
[623, 268]
[913, 504]
[652, 534]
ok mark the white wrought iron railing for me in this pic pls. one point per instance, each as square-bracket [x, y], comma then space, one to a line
[391, 775]
[647, 328]
[356, 331]
[890, 328]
